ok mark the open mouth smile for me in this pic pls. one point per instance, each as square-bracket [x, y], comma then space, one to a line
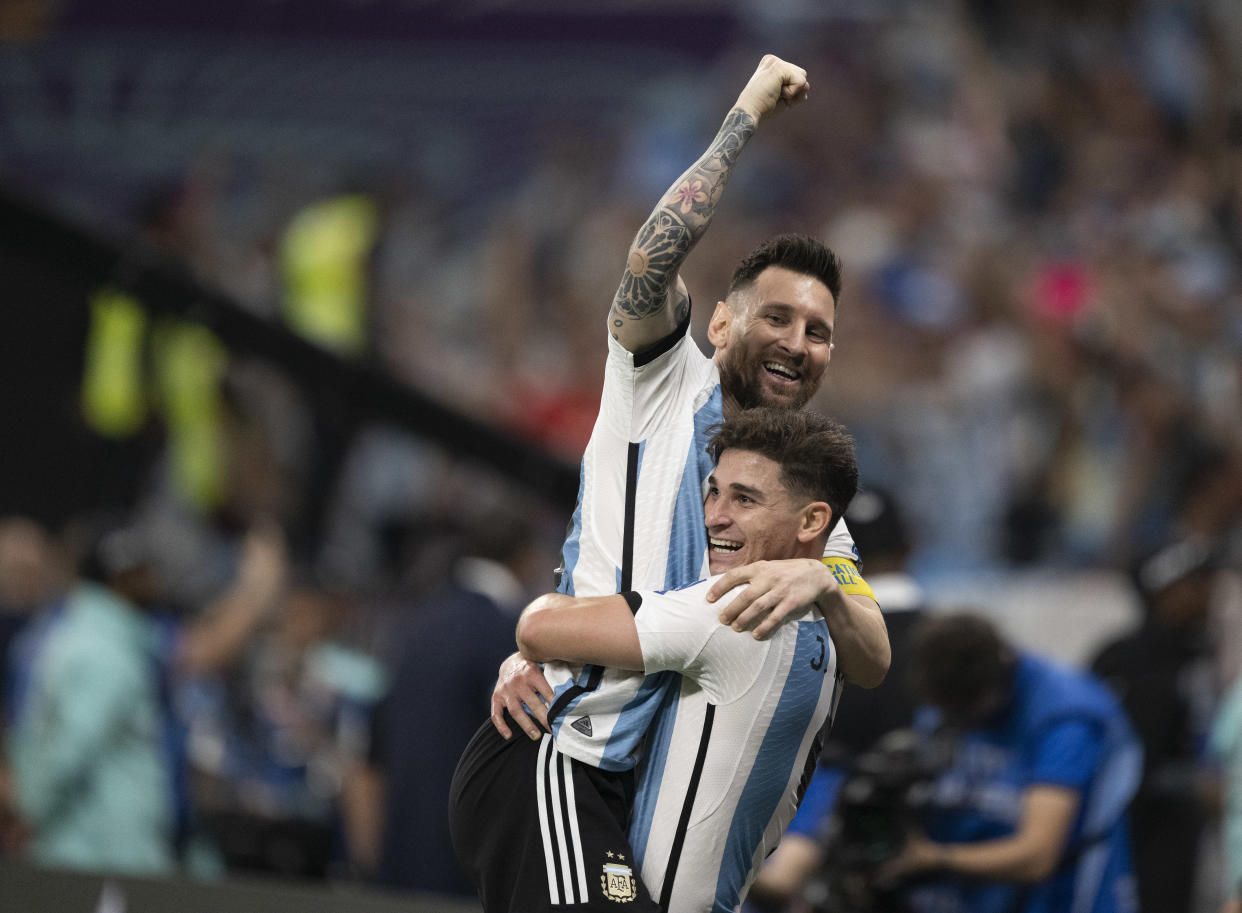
[781, 372]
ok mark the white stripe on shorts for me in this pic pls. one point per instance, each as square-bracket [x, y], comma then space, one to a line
[567, 763]
[567, 859]
[558, 815]
[540, 769]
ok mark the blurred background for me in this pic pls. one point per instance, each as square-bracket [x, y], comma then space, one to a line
[309, 299]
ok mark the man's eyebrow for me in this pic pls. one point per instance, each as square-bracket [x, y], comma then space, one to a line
[747, 490]
[779, 307]
[738, 487]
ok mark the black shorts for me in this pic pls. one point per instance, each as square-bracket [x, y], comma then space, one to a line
[538, 831]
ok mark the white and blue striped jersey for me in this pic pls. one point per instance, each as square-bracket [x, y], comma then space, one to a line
[639, 524]
[731, 750]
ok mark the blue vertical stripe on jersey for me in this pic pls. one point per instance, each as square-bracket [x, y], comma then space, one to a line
[634, 719]
[570, 550]
[650, 771]
[687, 542]
[770, 771]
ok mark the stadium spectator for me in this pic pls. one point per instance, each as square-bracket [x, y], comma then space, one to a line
[277, 736]
[446, 650]
[96, 749]
[29, 589]
[1164, 674]
[29, 580]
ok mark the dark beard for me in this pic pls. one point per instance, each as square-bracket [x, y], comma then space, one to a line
[737, 384]
[739, 381]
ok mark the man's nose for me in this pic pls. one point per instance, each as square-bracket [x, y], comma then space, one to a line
[794, 341]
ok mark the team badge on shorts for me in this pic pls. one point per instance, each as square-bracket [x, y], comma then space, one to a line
[618, 882]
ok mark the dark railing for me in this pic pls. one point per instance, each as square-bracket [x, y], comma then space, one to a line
[66, 248]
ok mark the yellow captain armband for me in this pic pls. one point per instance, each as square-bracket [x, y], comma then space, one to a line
[847, 575]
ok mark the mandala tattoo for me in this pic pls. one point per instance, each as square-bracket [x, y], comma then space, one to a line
[662, 244]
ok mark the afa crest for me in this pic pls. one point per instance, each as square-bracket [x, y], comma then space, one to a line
[618, 882]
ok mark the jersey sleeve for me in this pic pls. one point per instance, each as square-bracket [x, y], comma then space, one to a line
[841, 544]
[681, 631]
[643, 392]
[673, 628]
[1067, 754]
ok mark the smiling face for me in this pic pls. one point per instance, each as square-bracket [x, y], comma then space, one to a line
[750, 516]
[774, 340]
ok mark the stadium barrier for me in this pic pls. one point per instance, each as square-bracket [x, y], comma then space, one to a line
[33, 232]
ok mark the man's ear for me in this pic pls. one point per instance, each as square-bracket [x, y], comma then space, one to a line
[815, 519]
[720, 324]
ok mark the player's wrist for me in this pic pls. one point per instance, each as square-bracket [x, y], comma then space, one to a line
[749, 108]
[830, 592]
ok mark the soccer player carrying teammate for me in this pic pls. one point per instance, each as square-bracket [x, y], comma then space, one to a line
[737, 734]
[639, 518]
[639, 522]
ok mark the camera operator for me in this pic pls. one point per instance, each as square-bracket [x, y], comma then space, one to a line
[1029, 813]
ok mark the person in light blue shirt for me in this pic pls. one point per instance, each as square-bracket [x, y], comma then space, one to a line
[94, 781]
[94, 749]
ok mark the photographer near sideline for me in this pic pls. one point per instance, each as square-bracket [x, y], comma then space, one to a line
[1029, 811]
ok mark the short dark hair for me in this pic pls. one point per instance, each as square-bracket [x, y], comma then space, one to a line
[958, 658]
[799, 253]
[816, 455]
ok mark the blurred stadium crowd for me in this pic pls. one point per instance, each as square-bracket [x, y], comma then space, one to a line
[1039, 345]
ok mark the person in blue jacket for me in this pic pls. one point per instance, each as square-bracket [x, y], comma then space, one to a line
[1028, 812]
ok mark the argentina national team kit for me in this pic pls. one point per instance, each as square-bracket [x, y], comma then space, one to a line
[731, 723]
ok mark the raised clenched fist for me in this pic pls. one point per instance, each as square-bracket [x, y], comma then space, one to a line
[775, 85]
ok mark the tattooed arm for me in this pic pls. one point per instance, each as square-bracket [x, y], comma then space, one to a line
[652, 300]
